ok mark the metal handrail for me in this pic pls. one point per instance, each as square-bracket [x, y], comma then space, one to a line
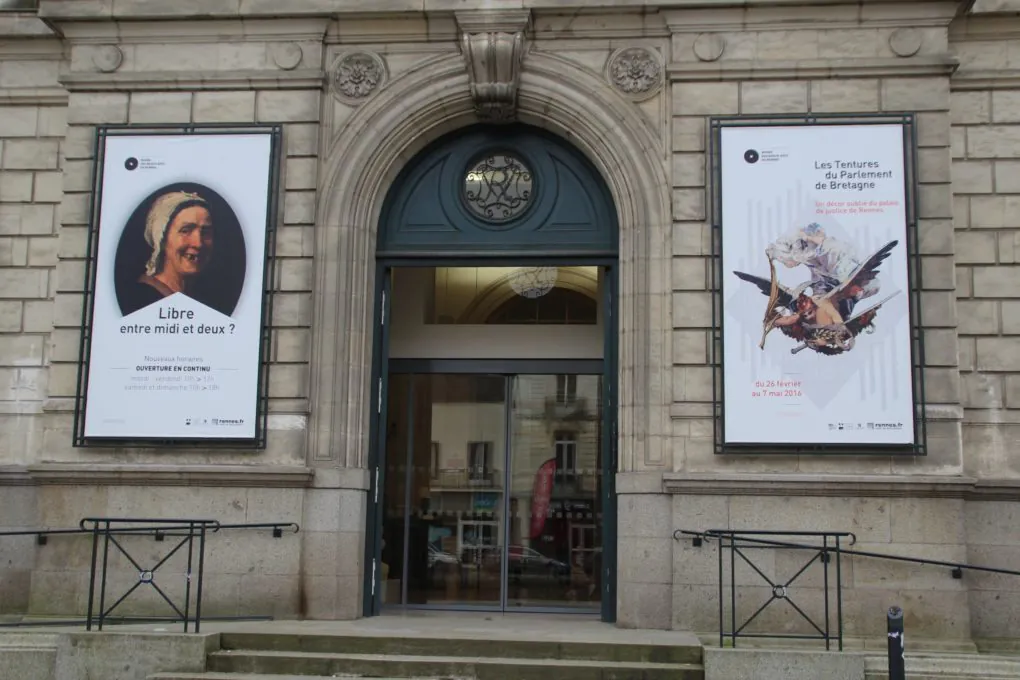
[158, 531]
[957, 567]
[188, 530]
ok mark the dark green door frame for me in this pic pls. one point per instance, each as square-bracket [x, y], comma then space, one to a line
[372, 604]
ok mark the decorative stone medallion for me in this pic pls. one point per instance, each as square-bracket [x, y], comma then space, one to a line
[108, 58]
[635, 71]
[905, 42]
[287, 56]
[709, 46]
[356, 75]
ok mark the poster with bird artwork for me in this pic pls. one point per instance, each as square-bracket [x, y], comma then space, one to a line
[815, 285]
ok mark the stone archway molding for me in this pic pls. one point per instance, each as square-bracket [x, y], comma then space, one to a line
[365, 156]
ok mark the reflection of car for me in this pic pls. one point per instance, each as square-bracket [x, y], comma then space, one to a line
[437, 555]
[528, 561]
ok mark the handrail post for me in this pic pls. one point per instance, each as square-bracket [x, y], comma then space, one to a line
[897, 665]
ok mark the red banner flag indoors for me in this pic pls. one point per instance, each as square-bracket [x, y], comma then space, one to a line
[541, 496]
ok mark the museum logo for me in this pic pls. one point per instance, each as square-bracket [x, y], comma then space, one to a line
[753, 156]
[131, 163]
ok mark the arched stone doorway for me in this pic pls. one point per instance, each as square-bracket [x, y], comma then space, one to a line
[415, 108]
[496, 347]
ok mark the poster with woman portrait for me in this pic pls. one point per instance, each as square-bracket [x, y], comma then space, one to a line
[176, 328]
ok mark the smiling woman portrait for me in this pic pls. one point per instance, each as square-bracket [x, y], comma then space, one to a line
[181, 239]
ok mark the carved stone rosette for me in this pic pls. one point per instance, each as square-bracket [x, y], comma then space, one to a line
[493, 46]
[356, 75]
[635, 71]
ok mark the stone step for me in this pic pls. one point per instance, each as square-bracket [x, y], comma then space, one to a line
[472, 668]
[249, 676]
[682, 651]
[948, 667]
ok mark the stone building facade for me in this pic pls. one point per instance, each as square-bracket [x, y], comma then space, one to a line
[360, 87]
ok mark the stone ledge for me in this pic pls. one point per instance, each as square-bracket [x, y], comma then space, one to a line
[24, 25]
[996, 490]
[169, 475]
[702, 410]
[842, 486]
[303, 79]
[812, 69]
[994, 416]
[33, 96]
[75, 10]
[14, 476]
[1006, 79]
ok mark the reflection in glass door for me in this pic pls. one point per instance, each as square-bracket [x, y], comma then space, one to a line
[554, 556]
[446, 446]
[458, 531]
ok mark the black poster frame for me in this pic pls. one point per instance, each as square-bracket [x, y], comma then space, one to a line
[908, 123]
[104, 132]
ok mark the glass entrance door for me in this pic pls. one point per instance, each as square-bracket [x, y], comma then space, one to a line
[555, 489]
[492, 495]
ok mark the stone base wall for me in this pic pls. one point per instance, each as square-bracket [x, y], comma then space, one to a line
[314, 573]
[668, 583]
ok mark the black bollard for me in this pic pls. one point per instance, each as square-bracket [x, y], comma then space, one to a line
[897, 666]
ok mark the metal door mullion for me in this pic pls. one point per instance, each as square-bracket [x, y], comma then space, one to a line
[405, 566]
[372, 601]
[504, 571]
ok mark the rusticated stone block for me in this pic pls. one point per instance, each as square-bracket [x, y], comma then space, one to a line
[915, 94]
[689, 273]
[933, 129]
[996, 282]
[160, 107]
[844, 96]
[978, 317]
[299, 207]
[15, 187]
[18, 121]
[24, 283]
[224, 107]
[300, 173]
[688, 170]
[86, 108]
[942, 385]
[692, 310]
[1011, 317]
[1005, 106]
[10, 316]
[688, 133]
[993, 212]
[30, 154]
[972, 177]
[982, 390]
[1013, 391]
[993, 141]
[1007, 177]
[970, 108]
[287, 106]
[688, 204]
[773, 97]
[976, 247]
[698, 99]
[936, 236]
[998, 354]
[690, 347]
